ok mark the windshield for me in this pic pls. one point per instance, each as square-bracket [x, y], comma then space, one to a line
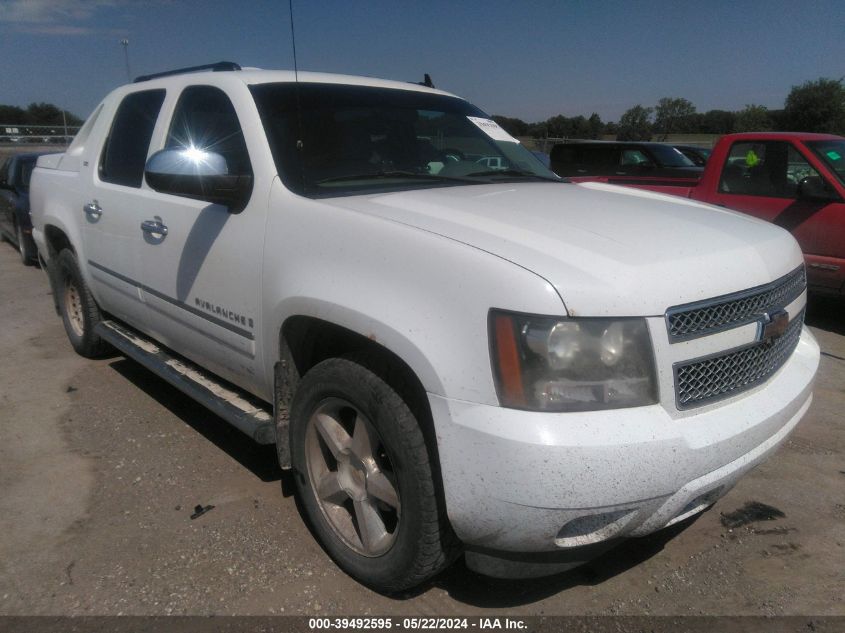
[833, 154]
[358, 139]
[670, 157]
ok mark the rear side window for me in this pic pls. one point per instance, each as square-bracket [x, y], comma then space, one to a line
[635, 157]
[125, 152]
[206, 119]
[563, 154]
[585, 156]
[599, 156]
[764, 168]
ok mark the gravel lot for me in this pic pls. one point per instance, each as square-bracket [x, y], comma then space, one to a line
[101, 465]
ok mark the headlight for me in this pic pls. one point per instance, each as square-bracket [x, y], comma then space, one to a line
[584, 364]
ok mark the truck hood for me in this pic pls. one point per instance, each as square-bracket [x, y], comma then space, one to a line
[607, 250]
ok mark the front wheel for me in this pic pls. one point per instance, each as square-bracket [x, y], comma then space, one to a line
[365, 479]
[79, 310]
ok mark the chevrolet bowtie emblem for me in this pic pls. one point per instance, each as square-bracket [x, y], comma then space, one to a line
[773, 326]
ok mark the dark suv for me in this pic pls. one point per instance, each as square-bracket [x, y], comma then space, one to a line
[624, 163]
[15, 223]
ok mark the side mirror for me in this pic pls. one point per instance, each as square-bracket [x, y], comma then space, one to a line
[200, 175]
[815, 188]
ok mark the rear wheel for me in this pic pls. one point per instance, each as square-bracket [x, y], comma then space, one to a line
[79, 310]
[365, 479]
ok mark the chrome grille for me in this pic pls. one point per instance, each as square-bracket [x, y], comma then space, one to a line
[705, 317]
[726, 374]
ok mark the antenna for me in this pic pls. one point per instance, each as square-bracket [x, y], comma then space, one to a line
[299, 143]
[293, 43]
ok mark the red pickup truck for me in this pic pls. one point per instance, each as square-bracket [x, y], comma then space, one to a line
[795, 180]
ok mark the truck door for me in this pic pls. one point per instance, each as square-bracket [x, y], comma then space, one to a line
[202, 265]
[827, 263]
[761, 178]
[114, 198]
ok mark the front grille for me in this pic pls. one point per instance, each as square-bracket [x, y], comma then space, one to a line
[726, 374]
[705, 317]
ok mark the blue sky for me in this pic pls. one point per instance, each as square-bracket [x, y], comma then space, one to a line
[527, 59]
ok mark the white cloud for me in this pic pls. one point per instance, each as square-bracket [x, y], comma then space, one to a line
[51, 10]
[54, 17]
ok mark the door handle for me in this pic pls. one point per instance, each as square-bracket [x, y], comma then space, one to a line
[153, 227]
[93, 210]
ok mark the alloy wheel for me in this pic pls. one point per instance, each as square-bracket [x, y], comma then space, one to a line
[73, 308]
[352, 477]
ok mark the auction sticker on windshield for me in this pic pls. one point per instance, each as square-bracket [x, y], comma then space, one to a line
[492, 129]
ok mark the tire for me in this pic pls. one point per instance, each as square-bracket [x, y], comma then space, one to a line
[24, 250]
[80, 312]
[383, 476]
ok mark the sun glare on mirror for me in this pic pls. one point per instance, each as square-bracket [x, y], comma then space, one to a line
[195, 155]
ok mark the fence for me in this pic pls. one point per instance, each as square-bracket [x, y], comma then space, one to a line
[16, 134]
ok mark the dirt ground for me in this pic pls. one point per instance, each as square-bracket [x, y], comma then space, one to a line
[101, 465]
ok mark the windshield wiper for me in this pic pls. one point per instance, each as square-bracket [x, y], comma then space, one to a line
[394, 174]
[510, 173]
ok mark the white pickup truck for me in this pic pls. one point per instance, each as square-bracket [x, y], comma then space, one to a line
[451, 358]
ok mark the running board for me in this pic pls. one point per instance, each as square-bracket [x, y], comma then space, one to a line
[238, 408]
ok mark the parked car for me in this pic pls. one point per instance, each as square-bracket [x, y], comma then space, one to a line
[493, 162]
[502, 363]
[15, 222]
[624, 163]
[795, 180]
[698, 155]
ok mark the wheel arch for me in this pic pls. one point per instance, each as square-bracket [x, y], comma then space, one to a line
[55, 240]
[299, 323]
[305, 340]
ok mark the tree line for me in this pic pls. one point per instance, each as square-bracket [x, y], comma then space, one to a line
[36, 114]
[815, 106]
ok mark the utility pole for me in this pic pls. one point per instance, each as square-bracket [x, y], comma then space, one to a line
[125, 44]
[64, 123]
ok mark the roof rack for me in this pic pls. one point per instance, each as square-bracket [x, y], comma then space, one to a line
[219, 66]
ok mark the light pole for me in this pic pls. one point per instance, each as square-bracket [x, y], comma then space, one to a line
[125, 44]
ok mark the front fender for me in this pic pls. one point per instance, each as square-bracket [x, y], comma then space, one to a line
[385, 334]
[423, 296]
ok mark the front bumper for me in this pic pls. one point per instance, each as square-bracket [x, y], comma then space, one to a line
[522, 482]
